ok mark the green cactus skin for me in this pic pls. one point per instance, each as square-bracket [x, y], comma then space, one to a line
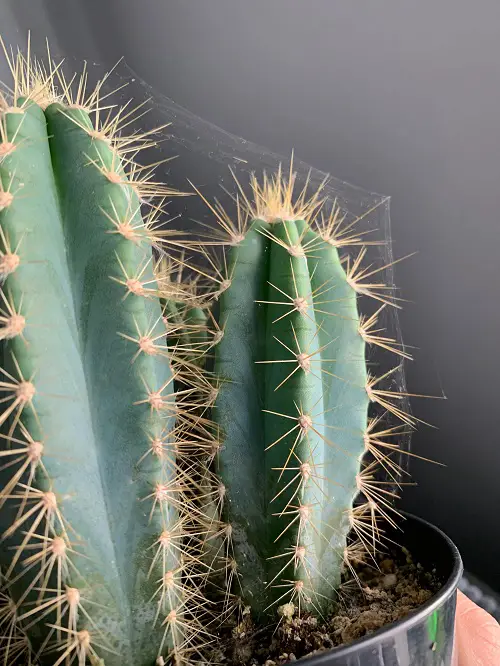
[90, 502]
[292, 412]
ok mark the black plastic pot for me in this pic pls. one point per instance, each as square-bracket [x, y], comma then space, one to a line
[424, 637]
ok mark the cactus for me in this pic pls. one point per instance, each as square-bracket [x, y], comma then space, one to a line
[94, 499]
[161, 438]
[296, 494]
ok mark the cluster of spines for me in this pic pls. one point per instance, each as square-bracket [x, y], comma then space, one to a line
[380, 473]
[47, 541]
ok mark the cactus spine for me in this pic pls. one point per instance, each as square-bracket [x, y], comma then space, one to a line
[94, 516]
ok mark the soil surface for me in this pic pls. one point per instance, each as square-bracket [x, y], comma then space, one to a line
[382, 593]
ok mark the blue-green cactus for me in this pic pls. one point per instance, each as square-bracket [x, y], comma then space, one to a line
[93, 503]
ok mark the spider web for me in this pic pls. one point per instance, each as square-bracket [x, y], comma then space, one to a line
[199, 151]
[206, 154]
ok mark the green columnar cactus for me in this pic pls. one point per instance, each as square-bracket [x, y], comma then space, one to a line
[291, 405]
[93, 491]
[156, 433]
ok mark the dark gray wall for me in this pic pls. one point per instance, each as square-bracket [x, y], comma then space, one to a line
[8, 30]
[398, 96]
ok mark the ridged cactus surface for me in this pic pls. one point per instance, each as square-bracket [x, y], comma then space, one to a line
[90, 500]
[292, 409]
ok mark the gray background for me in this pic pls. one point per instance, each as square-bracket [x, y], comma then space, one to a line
[398, 96]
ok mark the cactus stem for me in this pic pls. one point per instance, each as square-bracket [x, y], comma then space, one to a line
[42, 552]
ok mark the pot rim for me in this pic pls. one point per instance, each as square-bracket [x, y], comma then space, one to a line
[415, 617]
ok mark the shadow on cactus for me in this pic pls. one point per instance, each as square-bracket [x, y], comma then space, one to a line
[98, 545]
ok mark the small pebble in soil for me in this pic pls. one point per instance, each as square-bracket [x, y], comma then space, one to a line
[389, 581]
